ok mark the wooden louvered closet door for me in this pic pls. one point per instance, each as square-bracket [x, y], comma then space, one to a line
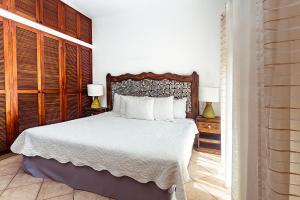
[50, 13]
[51, 79]
[71, 91]
[26, 8]
[86, 76]
[3, 4]
[4, 92]
[26, 73]
[70, 21]
[85, 29]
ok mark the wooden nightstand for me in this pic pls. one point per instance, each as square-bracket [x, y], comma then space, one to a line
[209, 137]
[91, 111]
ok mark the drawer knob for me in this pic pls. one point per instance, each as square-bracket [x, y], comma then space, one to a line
[209, 126]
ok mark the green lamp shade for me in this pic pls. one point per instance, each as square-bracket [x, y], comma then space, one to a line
[208, 112]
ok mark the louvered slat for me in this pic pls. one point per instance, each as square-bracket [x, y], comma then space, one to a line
[26, 7]
[51, 64]
[85, 65]
[86, 101]
[28, 111]
[2, 72]
[2, 124]
[72, 106]
[70, 21]
[71, 67]
[85, 29]
[50, 13]
[26, 59]
[52, 108]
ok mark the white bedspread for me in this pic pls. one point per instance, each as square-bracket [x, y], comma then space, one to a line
[146, 151]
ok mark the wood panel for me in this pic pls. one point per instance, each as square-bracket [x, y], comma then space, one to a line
[86, 101]
[51, 79]
[85, 29]
[52, 108]
[26, 53]
[50, 13]
[86, 67]
[72, 104]
[51, 63]
[26, 8]
[3, 133]
[70, 21]
[2, 66]
[26, 97]
[54, 14]
[71, 61]
[28, 114]
[42, 79]
[4, 4]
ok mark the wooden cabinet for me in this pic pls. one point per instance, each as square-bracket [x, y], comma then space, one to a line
[54, 14]
[72, 80]
[4, 4]
[43, 80]
[26, 71]
[26, 8]
[70, 21]
[3, 122]
[85, 66]
[209, 137]
[85, 33]
[50, 13]
[51, 54]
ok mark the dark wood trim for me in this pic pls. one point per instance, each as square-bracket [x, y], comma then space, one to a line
[8, 81]
[193, 79]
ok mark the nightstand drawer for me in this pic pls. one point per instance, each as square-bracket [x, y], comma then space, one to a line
[207, 127]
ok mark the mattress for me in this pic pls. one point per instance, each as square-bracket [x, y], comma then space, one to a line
[157, 151]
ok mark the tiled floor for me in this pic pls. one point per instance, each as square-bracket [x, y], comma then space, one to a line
[205, 171]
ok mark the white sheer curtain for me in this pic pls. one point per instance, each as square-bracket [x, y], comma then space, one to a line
[265, 99]
[279, 73]
[241, 100]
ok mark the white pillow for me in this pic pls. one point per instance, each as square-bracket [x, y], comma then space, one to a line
[123, 100]
[164, 108]
[117, 103]
[139, 108]
[180, 108]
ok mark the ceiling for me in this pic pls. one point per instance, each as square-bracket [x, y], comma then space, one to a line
[97, 8]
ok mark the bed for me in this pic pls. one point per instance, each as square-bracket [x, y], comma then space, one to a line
[126, 159]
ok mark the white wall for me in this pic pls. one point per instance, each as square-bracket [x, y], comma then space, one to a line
[179, 36]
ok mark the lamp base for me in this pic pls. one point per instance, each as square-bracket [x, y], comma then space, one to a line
[96, 103]
[208, 112]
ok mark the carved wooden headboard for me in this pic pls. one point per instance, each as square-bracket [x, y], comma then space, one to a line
[156, 85]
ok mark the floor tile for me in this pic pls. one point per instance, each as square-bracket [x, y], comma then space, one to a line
[28, 192]
[215, 187]
[5, 180]
[52, 189]
[9, 169]
[198, 172]
[194, 191]
[82, 195]
[23, 179]
[64, 197]
[5, 156]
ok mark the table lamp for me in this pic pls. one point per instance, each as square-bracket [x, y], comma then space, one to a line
[95, 91]
[209, 95]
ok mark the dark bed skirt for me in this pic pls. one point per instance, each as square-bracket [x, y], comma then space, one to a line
[88, 179]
